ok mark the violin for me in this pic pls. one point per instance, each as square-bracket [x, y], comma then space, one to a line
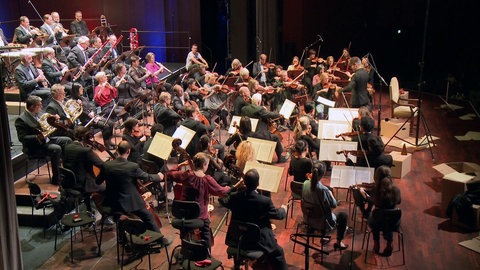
[100, 147]
[353, 152]
[349, 134]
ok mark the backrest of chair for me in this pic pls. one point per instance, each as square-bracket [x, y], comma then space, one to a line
[357, 197]
[34, 189]
[133, 226]
[296, 188]
[242, 235]
[394, 90]
[194, 250]
[68, 178]
[387, 218]
[315, 216]
[185, 209]
[149, 166]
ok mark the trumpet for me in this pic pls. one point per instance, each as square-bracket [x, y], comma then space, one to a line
[35, 31]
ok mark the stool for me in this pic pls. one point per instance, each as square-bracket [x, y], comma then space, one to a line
[107, 212]
[77, 220]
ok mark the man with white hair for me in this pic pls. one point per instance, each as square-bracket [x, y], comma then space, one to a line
[51, 67]
[78, 55]
[31, 80]
[254, 110]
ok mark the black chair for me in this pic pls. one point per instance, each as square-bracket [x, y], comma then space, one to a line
[316, 226]
[185, 219]
[141, 239]
[196, 252]
[242, 241]
[42, 200]
[359, 203]
[295, 195]
[39, 159]
[70, 188]
[387, 219]
[106, 213]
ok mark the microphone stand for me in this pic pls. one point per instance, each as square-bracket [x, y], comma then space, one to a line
[41, 19]
[373, 66]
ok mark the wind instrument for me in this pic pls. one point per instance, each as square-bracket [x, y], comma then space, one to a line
[89, 61]
[74, 109]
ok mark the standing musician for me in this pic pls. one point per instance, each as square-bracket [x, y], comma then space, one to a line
[139, 74]
[53, 69]
[56, 107]
[195, 59]
[81, 159]
[24, 34]
[121, 176]
[192, 122]
[105, 95]
[357, 85]
[254, 110]
[29, 132]
[89, 116]
[198, 186]
[30, 80]
[165, 115]
[136, 138]
[79, 27]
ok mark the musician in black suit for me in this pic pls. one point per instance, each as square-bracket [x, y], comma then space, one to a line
[165, 115]
[136, 138]
[52, 68]
[197, 126]
[79, 27]
[357, 85]
[81, 159]
[33, 142]
[121, 176]
[56, 107]
[77, 57]
[48, 28]
[23, 34]
[254, 110]
[30, 81]
[179, 99]
[250, 206]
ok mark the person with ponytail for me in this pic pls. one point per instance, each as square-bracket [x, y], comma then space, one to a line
[314, 192]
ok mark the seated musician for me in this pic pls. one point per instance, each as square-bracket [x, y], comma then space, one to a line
[29, 132]
[89, 116]
[245, 80]
[179, 99]
[139, 74]
[198, 186]
[57, 25]
[254, 110]
[235, 68]
[3, 40]
[136, 137]
[295, 65]
[53, 69]
[81, 159]
[244, 130]
[54, 35]
[262, 70]
[105, 95]
[155, 69]
[78, 27]
[78, 56]
[214, 103]
[57, 107]
[191, 121]
[95, 45]
[311, 114]
[165, 115]
[245, 152]
[370, 146]
[242, 99]
[215, 168]
[300, 163]
[30, 80]
[250, 206]
[121, 194]
[312, 66]
[303, 131]
[123, 82]
[24, 34]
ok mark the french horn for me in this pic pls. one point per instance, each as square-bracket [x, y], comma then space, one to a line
[47, 129]
[74, 109]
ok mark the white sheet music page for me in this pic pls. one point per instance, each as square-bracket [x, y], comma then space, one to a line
[161, 146]
[236, 120]
[287, 108]
[342, 114]
[328, 129]
[347, 176]
[329, 149]
[185, 134]
[270, 175]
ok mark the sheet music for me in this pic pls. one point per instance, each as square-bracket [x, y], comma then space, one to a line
[342, 114]
[263, 149]
[185, 134]
[287, 108]
[328, 129]
[236, 119]
[270, 175]
[161, 146]
[347, 176]
[326, 102]
[329, 148]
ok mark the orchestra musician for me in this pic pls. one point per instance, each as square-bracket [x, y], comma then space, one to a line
[235, 68]
[242, 99]
[300, 163]
[135, 137]
[250, 206]
[123, 82]
[56, 107]
[139, 74]
[179, 99]
[312, 64]
[54, 35]
[214, 102]
[254, 110]
[311, 114]
[77, 57]
[215, 167]
[24, 34]
[105, 95]
[244, 153]
[198, 186]
[33, 142]
[155, 69]
[295, 65]
[192, 122]
[88, 116]
[53, 69]
[343, 61]
[3, 40]
[244, 130]
[121, 194]
[80, 158]
[194, 58]
[165, 115]
[357, 85]
[261, 69]
[245, 80]
[57, 25]
[330, 63]
[303, 131]
[78, 27]
[30, 80]
[195, 92]
[95, 45]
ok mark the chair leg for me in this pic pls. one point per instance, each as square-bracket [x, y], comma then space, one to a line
[366, 249]
[286, 216]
